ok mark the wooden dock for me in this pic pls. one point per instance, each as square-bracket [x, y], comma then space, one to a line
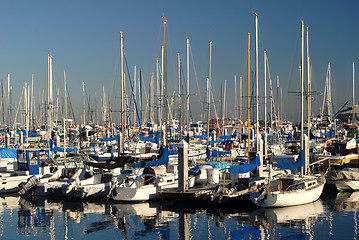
[195, 192]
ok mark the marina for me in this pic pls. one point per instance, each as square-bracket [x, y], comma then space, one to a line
[173, 151]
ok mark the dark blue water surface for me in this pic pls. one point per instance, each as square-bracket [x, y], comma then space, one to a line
[332, 217]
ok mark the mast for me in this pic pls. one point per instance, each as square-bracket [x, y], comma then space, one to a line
[249, 92]
[162, 94]
[65, 114]
[83, 102]
[8, 99]
[265, 92]
[224, 103]
[32, 99]
[50, 92]
[257, 83]
[165, 77]
[179, 92]
[302, 91]
[235, 97]
[122, 87]
[188, 89]
[157, 92]
[309, 96]
[209, 89]
[240, 97]
[134, 94]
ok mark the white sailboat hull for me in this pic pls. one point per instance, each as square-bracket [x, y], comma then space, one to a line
[140, 194]
[288, 198]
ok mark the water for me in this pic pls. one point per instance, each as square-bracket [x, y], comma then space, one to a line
[332, 217]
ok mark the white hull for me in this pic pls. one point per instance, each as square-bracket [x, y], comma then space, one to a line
[140, 194]
[289, 198]
[10, 184]
[89, 191]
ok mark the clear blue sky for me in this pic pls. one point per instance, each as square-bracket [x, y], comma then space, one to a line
[83, 38]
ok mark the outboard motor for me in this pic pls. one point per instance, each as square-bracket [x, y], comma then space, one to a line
[31, 183]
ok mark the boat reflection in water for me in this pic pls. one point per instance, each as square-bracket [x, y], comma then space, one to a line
[300, 218]
[333, 217]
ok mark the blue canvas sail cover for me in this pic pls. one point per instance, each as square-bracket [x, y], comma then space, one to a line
[8, 153]
[216, 153]
[246, 167]
[163, 159]
[293, 165]
[216, 141]
[108, 139]
[329, 134]
[55, 148]
[149, 139]
[201, 136]
[227, 137]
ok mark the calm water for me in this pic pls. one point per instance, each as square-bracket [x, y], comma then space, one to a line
[333, 217]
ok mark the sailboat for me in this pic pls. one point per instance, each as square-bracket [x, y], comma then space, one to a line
[289, 189]
[149, 178]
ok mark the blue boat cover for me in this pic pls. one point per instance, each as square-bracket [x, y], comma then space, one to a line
[201, 136]
[55, 148]
[215, 164]
[108, 139]
[216, 141]
[8, 153]
[163, 159]
[246, 167]
[293, 165]
[329, 134]
[227, 137]
[149, 139]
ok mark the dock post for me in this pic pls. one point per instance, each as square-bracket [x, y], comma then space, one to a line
[119, 144]
[182, 166]
[7, 140]
[21, 135]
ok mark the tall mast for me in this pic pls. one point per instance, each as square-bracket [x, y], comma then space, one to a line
[122, 86]
[165, 77]
[188, 116]
[179, 91]
[235, 97]
[8, 98]
[240, 97]
[32, 99]
[309, 95]
[302, 91]
[162, 94]
[224, 102]
[257, 83]
[65, 114]
[135, 95]
[249, 92]
[157, 93]
[209, 89]
[265, 91]
[50, 102]
[83, 102]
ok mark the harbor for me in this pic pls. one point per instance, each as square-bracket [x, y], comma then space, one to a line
[177, 148]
